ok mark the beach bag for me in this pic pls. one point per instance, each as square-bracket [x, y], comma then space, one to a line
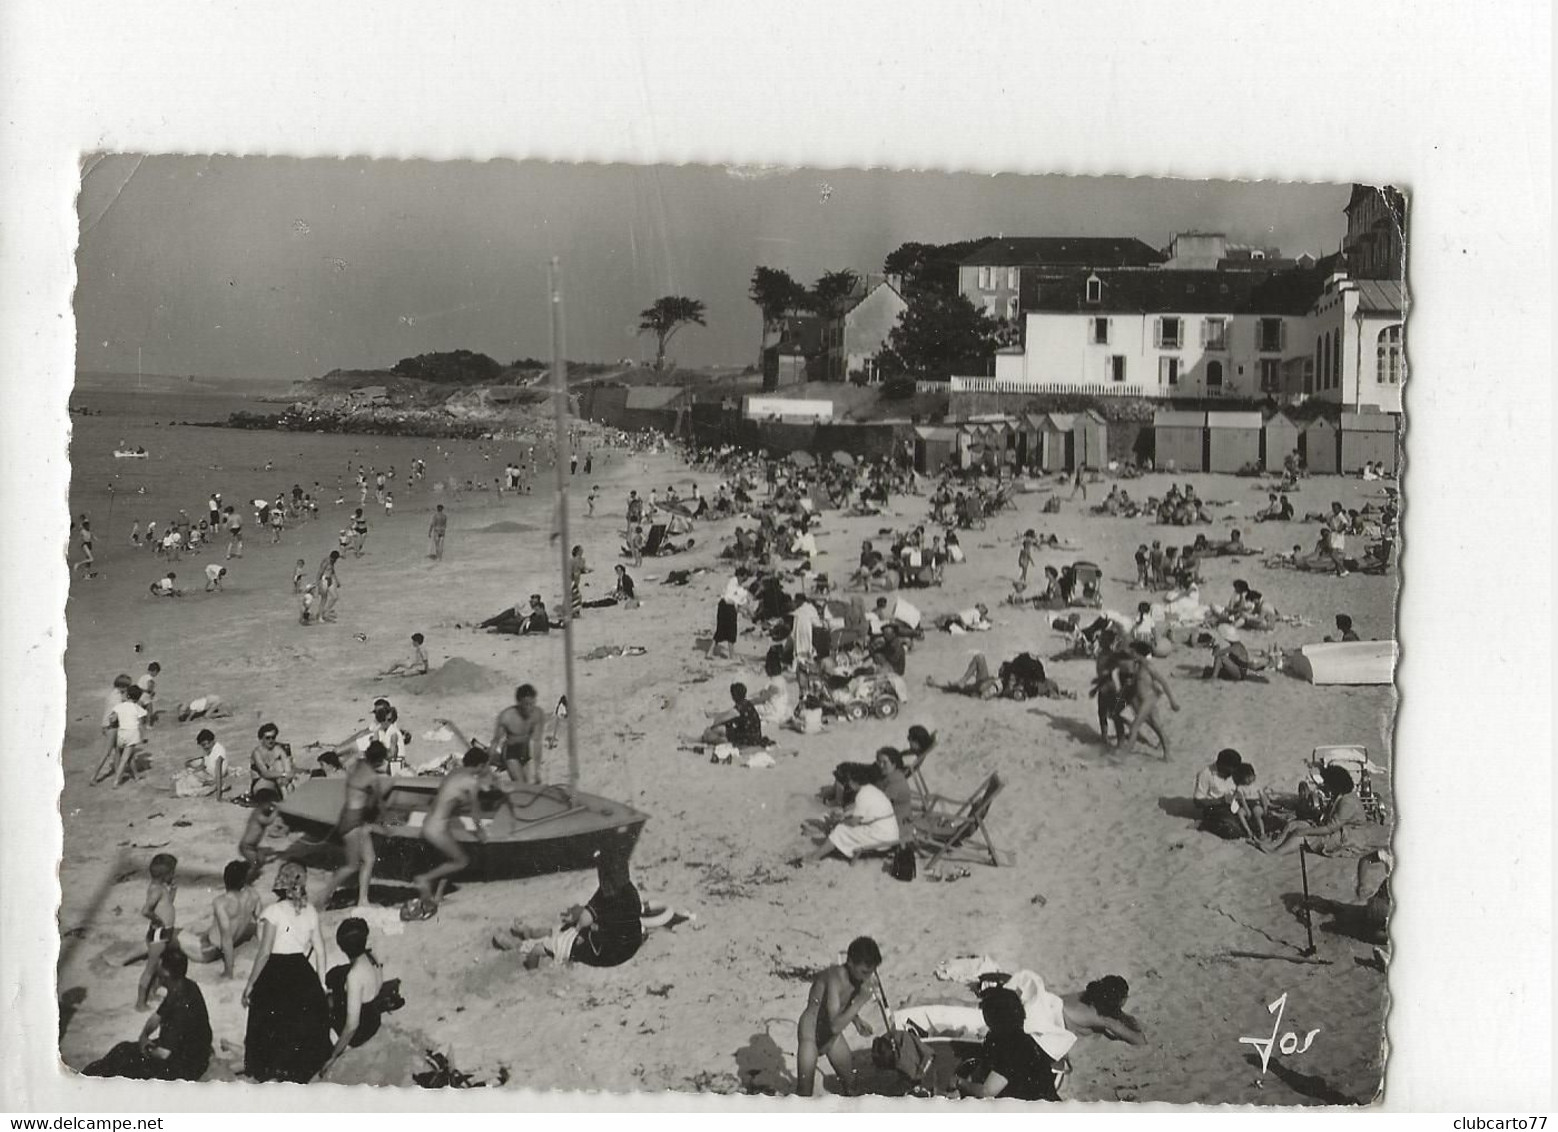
[903, 1051]
[904, 864]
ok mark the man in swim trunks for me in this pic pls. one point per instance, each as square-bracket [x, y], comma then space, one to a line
[514, 735]
[460, 790]
[436, 530]
[838, 995]
[1142, 686]
[234, 920]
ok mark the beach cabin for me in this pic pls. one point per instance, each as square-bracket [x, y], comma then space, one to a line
[1233, 440]
[1279, 440]
[1090, 444]
[933, 447]
[1368, 437]
[1028, 435]
[983, 444]
[1057, 442]
[1179, 440]
[1317, 444]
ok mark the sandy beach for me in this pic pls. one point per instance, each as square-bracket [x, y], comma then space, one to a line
[1111, 875]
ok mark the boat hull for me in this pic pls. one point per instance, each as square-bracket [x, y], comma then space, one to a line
[548, 829]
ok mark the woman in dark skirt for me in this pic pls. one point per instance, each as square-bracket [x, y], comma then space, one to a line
[288, 1036]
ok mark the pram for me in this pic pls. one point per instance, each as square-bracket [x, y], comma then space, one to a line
[1355, 761]
[864, 694]
[1082, 583]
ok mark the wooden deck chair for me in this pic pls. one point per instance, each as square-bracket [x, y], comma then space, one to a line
[923, 795]
[655, 540]
[943, 833]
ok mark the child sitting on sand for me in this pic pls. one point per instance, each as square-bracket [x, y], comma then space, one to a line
[415, 666]
[1250, 803]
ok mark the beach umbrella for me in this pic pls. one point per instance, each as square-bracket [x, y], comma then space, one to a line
[803, 459]
[844, 458]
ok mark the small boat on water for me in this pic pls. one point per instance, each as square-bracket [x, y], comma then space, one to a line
[130, 454]
[541, 830]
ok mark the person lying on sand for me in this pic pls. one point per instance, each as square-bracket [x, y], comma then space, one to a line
[201, 707]
[605, 932]
[975, 620]
[838, 995]
[1231, 660]
[166, 586]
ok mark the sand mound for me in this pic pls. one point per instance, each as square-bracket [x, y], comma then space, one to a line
[456, 676]
[505, 527]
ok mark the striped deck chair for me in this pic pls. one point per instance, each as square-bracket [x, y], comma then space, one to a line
[963, 832]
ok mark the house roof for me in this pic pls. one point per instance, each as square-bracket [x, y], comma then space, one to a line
[1064, 251]
[1280, 420]
[1233, 420]
[653, 396]
[1368, 422]
[1292, 292]
[1063, 421]
[931, 432]
[1175, 418]
[1381, 296]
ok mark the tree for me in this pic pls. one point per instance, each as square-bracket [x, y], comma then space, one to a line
[666, 317]
[929, 267]
[456, 367]
[829, 292]
[775, 293]
[938, 336]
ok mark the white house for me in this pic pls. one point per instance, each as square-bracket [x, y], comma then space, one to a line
[1206, 334]
[852, 339]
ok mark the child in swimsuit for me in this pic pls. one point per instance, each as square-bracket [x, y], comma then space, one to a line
[161, 919]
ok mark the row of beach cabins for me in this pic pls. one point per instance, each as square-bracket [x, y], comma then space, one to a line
[1181, 441]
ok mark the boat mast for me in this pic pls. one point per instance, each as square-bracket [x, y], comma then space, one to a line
[560, 413]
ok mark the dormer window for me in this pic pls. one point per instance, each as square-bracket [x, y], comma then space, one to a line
[1095, 289]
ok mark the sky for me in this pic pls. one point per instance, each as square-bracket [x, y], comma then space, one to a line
[281, 268]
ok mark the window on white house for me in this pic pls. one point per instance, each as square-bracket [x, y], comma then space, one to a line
[1389, 366]
[1214, 375]
[1170, 332]
[1168, 371]
[1095, 290]
[1336, 359]
[1270, 375]
[990, 305]
[1319, 372]
[984, 279]
[1011, 306]
[1011, 278]
[1214, 332]
[1117, 367]
[1100, 332]
[1272, 336]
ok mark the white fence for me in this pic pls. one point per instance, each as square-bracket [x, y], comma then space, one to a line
[1010, 385]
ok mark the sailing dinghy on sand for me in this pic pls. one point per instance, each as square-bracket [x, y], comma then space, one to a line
[536, 830]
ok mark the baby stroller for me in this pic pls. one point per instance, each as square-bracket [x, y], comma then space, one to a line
[870, 693]
[1355, 761]
[1082, 583]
